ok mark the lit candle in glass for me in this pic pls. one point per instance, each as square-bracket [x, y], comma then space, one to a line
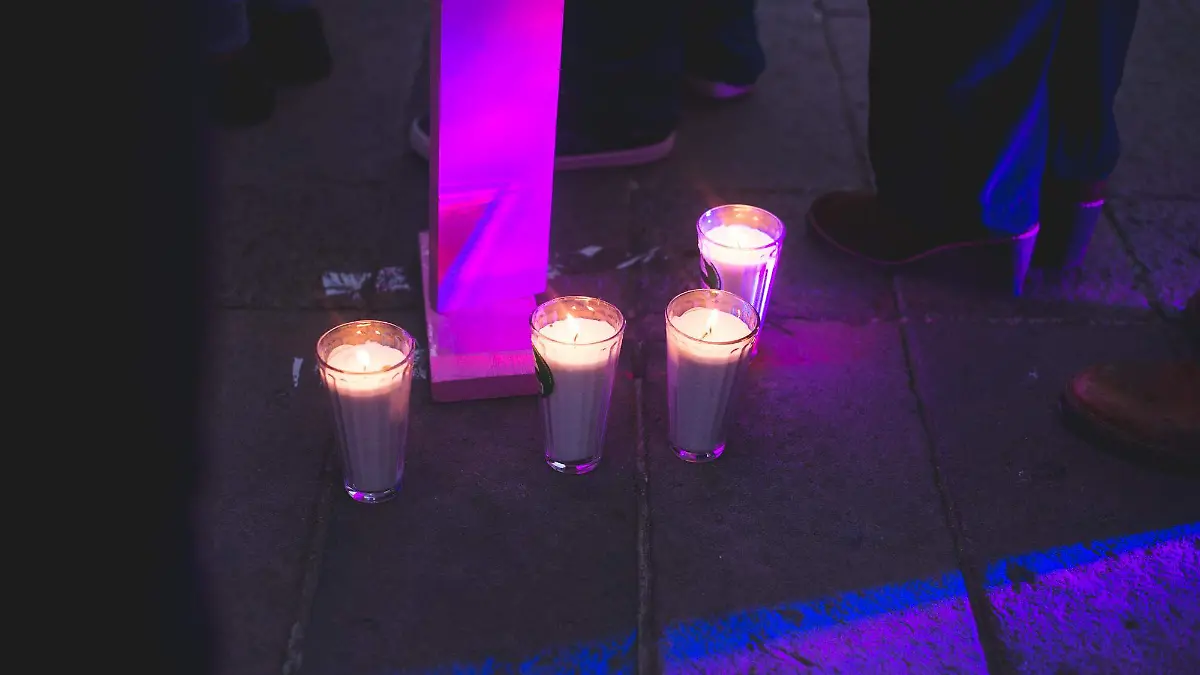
[367, 368]
[710, 338]
[576, 344]
[739, 250]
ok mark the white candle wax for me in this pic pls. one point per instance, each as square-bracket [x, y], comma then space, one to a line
[372, 398]
[577, 408]
[701, 375]
[744, 259]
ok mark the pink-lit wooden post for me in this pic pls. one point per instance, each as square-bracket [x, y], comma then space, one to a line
[494, 69]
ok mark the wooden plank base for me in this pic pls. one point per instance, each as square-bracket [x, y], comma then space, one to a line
[479, 353]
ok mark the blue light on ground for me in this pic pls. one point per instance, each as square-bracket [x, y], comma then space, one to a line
[730, 637]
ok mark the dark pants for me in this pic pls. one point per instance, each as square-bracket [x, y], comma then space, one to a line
[975, 106]
[623, 60]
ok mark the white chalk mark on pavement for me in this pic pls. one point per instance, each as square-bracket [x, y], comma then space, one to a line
[297, 362]
[391, 280]
[640, 258]
[343, 283]
[589, 251]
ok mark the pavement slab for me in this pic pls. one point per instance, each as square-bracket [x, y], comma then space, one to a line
[849, 37]
[1022, 485]
[593, 245]
[1158, 104]
[320, 245]
[817, 540]
[1123, 605]
[267, 437]
[1165, 238]
[487, 561]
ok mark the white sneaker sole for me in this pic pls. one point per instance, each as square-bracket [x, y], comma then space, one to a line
[419, 141]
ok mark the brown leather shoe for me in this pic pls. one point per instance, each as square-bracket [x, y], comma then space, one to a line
[1151, 411]
[856, 223]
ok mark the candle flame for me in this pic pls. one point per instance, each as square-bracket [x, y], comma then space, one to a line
[710, 324]
[363, 357]
[738, 240]
[574, 326]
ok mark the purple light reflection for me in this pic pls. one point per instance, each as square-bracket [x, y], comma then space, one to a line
[494, 109]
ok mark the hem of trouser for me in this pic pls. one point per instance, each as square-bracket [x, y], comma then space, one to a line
[419, 141]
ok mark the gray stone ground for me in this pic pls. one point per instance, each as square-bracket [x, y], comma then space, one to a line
[900, 496]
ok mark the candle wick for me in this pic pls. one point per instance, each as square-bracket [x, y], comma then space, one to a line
[706, 334]
[576, 338]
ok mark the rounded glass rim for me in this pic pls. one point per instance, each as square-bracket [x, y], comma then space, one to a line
[617, 330]
[408, 338]
[775, 241]
[753, 331]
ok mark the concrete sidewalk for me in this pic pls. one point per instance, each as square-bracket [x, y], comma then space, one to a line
[900, 497]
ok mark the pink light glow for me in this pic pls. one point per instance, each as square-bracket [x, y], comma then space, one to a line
[494, 106]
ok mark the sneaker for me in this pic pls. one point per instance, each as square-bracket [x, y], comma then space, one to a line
[1149, 411]
[292, 44]
[240, 93]
[575, 152]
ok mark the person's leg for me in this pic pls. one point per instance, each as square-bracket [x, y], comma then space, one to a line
[239, 92]
[958, 130]
[1085, 74]
[619, 90]
[722, 55]
[290, 35]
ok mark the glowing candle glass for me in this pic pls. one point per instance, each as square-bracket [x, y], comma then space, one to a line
[710, 338]
[739, 249]
[367, 368]
[576, 344]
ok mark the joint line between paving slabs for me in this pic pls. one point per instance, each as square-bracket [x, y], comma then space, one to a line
[1141, 272]
[995, 653]
[294, 657]
[647, 642]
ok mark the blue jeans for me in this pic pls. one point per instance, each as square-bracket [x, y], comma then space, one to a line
[623, 60]
[228, 25]
[975, 106]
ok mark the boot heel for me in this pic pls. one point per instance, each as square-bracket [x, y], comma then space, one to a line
[1063, 248]
[1022, 256]
[1070, 213]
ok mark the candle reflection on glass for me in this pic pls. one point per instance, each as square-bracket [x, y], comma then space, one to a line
[739, 251]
